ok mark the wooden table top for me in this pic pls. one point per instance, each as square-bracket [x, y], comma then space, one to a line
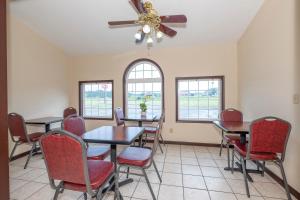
[139, 117]
[233, 127]
[44, 120]
[113, 135]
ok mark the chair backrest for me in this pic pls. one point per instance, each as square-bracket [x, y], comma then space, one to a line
[65, 157]
[16, 126]
[231, 115]
[119, 115]
[69, 111]
[159, 128]
[74, 124]
[269, 135]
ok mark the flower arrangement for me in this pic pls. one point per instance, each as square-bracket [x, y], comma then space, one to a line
[143, 105]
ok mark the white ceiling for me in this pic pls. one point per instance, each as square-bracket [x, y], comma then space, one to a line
[80, 26]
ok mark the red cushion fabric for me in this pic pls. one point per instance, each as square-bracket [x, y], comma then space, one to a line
[74, 124]
[63, 156]
[150, 130]
[135, 156]
[34, 137]
[99, 172]
[269, 135]
[231, 138]
[242, 150]
[16, 125]
[98, 153]
[231, 115]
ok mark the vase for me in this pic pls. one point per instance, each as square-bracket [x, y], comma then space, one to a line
[143, 114]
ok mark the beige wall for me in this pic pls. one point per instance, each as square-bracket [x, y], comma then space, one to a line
[219, 59]
[37, 83]
[267, 73]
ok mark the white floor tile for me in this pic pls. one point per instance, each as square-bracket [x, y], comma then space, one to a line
[142, 191]
[172, 168]
[172, 179]
[26, 190]
[238, 186]
[191, 169]
[170, 193]
[196, 182]
[217, 184]
[211, 172]
[221, 196]
[193, 194]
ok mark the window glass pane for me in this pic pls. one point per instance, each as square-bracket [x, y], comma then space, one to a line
[199, 99]
[97, 99]
[147, 82]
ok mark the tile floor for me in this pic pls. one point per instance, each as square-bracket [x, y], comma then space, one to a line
[188, 173]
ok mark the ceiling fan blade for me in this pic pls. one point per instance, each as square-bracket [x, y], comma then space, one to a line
[138, 5]
[116, 23]
[166, 30]
[142, 38]
[173, 19]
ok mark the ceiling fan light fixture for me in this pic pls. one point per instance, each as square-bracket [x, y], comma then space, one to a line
[138, 35]
[146, 28]
[159, 34]
[149, 40]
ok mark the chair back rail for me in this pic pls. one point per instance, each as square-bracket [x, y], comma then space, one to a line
[119, 115]
[69, 111]
[269, 135]
[74, 124]
[65, 157]
[231, 115]
[17, 127]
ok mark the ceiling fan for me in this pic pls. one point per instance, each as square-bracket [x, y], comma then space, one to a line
[151, 23]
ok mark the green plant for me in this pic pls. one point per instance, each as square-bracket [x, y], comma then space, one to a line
[143, 107]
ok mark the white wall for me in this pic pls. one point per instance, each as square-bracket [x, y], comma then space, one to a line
[37, 74]
[209, 60]
[268, 74]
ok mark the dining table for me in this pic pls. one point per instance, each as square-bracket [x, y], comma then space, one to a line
[46, 121]
[114, 136]
[136, 117]
[242, 129]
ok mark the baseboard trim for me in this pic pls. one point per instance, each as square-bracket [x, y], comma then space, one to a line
[279, 180]
[192, 143]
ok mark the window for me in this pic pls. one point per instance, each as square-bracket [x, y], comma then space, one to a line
[199, 99]
[96, 99]
[143, 79]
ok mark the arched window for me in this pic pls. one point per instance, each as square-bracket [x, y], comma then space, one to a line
[143, 81]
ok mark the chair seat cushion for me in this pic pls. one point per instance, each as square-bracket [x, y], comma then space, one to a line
[99, 172]
[242, 150]
[98, 152]
[232, 138]
[150, 130]
[135, 156]
[34, 137]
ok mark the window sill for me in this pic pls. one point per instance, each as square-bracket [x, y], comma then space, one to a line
[97, 118]
[195, 121]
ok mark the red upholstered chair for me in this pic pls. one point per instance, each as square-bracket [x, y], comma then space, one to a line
[267, 142]
[119, 115]
[75, 124]
[66, 160]
[19, 135]
[141, 158]
[69, 111]
[229, 115]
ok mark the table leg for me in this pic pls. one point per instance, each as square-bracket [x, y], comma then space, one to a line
[243, 138]
[47, 128]
[239, 169]
[141, 137]
[113, 158]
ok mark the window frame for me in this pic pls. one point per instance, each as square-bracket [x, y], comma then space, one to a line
[128, 68]
[81, 99]
[177, 79]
